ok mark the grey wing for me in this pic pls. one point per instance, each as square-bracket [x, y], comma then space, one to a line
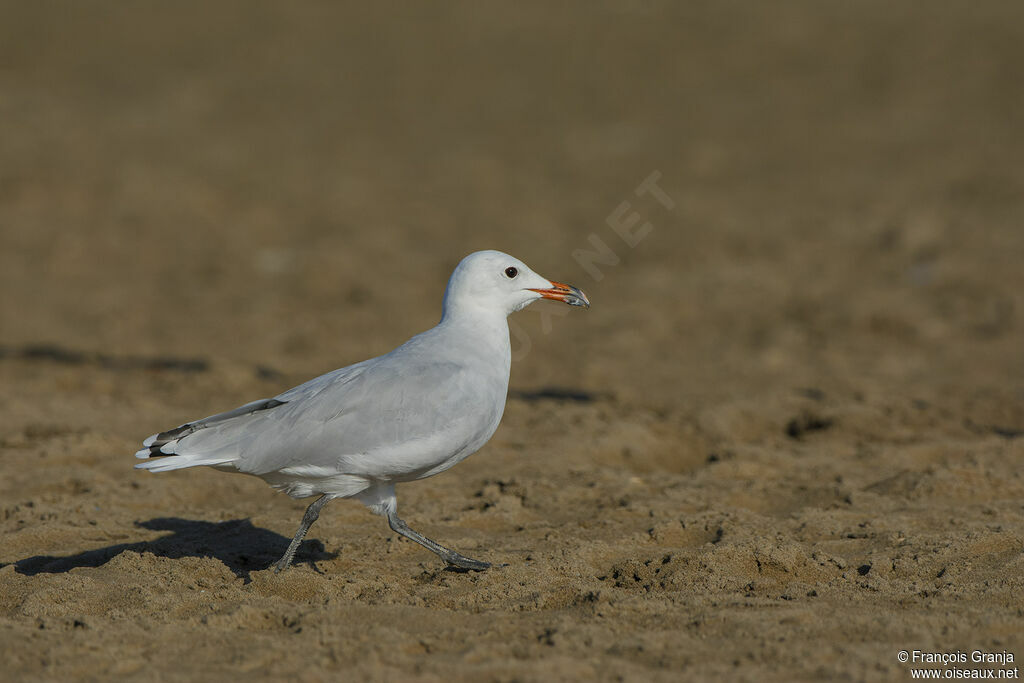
[389, 417]
[154, 443]
[239, 419]
[377, 417]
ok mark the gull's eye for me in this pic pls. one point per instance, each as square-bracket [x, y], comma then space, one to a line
[511, 272]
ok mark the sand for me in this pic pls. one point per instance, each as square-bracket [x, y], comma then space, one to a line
[785, 443]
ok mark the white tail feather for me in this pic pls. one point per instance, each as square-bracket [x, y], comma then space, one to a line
[178, 462]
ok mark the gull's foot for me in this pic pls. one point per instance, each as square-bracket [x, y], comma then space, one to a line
[466, 563]
[281, 565]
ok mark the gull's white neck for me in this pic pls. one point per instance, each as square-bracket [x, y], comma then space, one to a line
[485, 330]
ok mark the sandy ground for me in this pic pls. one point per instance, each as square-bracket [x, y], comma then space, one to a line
[785, 443]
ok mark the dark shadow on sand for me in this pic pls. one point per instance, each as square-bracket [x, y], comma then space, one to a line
[564, 394]
[242, 547]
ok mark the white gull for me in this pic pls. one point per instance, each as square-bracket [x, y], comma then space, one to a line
[409, 414]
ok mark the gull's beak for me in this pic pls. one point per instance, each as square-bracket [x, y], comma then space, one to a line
[565, 293]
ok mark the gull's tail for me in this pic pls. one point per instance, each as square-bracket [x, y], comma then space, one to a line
[170, 443]
[177, 462]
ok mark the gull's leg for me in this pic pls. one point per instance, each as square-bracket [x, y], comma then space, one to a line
[312, 512]
[449, 556]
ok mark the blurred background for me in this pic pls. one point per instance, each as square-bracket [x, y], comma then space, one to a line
[291, 187]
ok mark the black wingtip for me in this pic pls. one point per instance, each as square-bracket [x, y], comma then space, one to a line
[171, 435]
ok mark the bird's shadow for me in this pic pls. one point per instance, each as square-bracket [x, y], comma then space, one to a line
[242, 547]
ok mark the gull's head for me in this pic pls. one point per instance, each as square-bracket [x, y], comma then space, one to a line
[494, 281]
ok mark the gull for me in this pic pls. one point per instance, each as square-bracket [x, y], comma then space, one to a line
[358, 431]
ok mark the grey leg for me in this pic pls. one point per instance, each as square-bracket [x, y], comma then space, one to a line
[312, 512]
[449, 556]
